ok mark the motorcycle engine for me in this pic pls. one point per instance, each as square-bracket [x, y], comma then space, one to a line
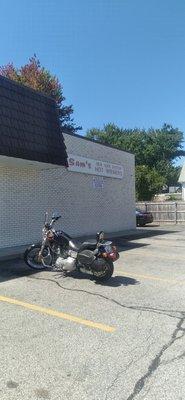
[66, 264]
[64, 260]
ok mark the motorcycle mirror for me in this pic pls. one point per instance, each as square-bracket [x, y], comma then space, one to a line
[46, 217]
[56, 216]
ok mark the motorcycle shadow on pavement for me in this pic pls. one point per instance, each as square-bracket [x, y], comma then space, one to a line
[14, 269]
[114, 281]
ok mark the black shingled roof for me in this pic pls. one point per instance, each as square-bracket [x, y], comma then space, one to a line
[29, 125]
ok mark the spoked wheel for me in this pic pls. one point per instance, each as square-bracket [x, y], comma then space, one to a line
[105, 273]
[31, 258]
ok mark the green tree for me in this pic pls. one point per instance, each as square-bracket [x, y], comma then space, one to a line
[39, 78]
[148, 182]
[169, 172]
[155, 149]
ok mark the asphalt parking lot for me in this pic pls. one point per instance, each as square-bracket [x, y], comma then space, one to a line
[70, 338]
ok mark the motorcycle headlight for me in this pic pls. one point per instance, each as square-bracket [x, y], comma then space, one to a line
[50, 235]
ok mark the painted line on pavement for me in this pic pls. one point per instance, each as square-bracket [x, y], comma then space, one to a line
[58, 314]
[150, 277]
[154, 254]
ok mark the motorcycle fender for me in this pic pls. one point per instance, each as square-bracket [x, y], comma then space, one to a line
[98, 264]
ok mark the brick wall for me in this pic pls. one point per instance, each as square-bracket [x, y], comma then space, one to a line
[26, 193]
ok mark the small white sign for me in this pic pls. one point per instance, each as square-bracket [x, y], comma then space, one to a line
[94, 167]
[98, 182]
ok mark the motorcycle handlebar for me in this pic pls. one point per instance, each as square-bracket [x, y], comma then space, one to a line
[53, 220]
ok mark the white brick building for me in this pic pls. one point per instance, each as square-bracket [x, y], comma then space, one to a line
[28, 189]
[31, 183]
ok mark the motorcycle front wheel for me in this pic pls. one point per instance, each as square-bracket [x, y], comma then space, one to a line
[105, 273]
[32, 260]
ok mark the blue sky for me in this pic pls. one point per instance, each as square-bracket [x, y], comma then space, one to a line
[120, 61]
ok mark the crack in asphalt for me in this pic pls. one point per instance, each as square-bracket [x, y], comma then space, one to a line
[120, 373]
[134, 360]
[174, 359]
[169, 313]
[156, 362]
[108, 389]
[147, 391]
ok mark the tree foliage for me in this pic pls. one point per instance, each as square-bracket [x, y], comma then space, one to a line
[155, 151]
[39, 78]
[148, 182]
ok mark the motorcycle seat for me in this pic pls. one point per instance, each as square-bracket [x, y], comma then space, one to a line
[88, 246]
[76, 246]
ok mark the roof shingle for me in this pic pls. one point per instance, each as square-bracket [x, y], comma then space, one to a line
[29, 125]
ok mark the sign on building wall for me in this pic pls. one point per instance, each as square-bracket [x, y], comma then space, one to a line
[96, 167]
[98, 182]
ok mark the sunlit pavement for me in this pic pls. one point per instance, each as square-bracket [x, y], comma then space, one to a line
[70, 338]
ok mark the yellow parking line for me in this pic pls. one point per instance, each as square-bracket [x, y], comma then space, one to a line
[58, 314]
[150, 277]
[145, 253]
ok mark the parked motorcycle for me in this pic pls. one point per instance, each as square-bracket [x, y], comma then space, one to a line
[59, 251]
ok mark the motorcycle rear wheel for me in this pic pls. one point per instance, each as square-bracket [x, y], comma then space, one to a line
[106, 273]
[31, 258]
